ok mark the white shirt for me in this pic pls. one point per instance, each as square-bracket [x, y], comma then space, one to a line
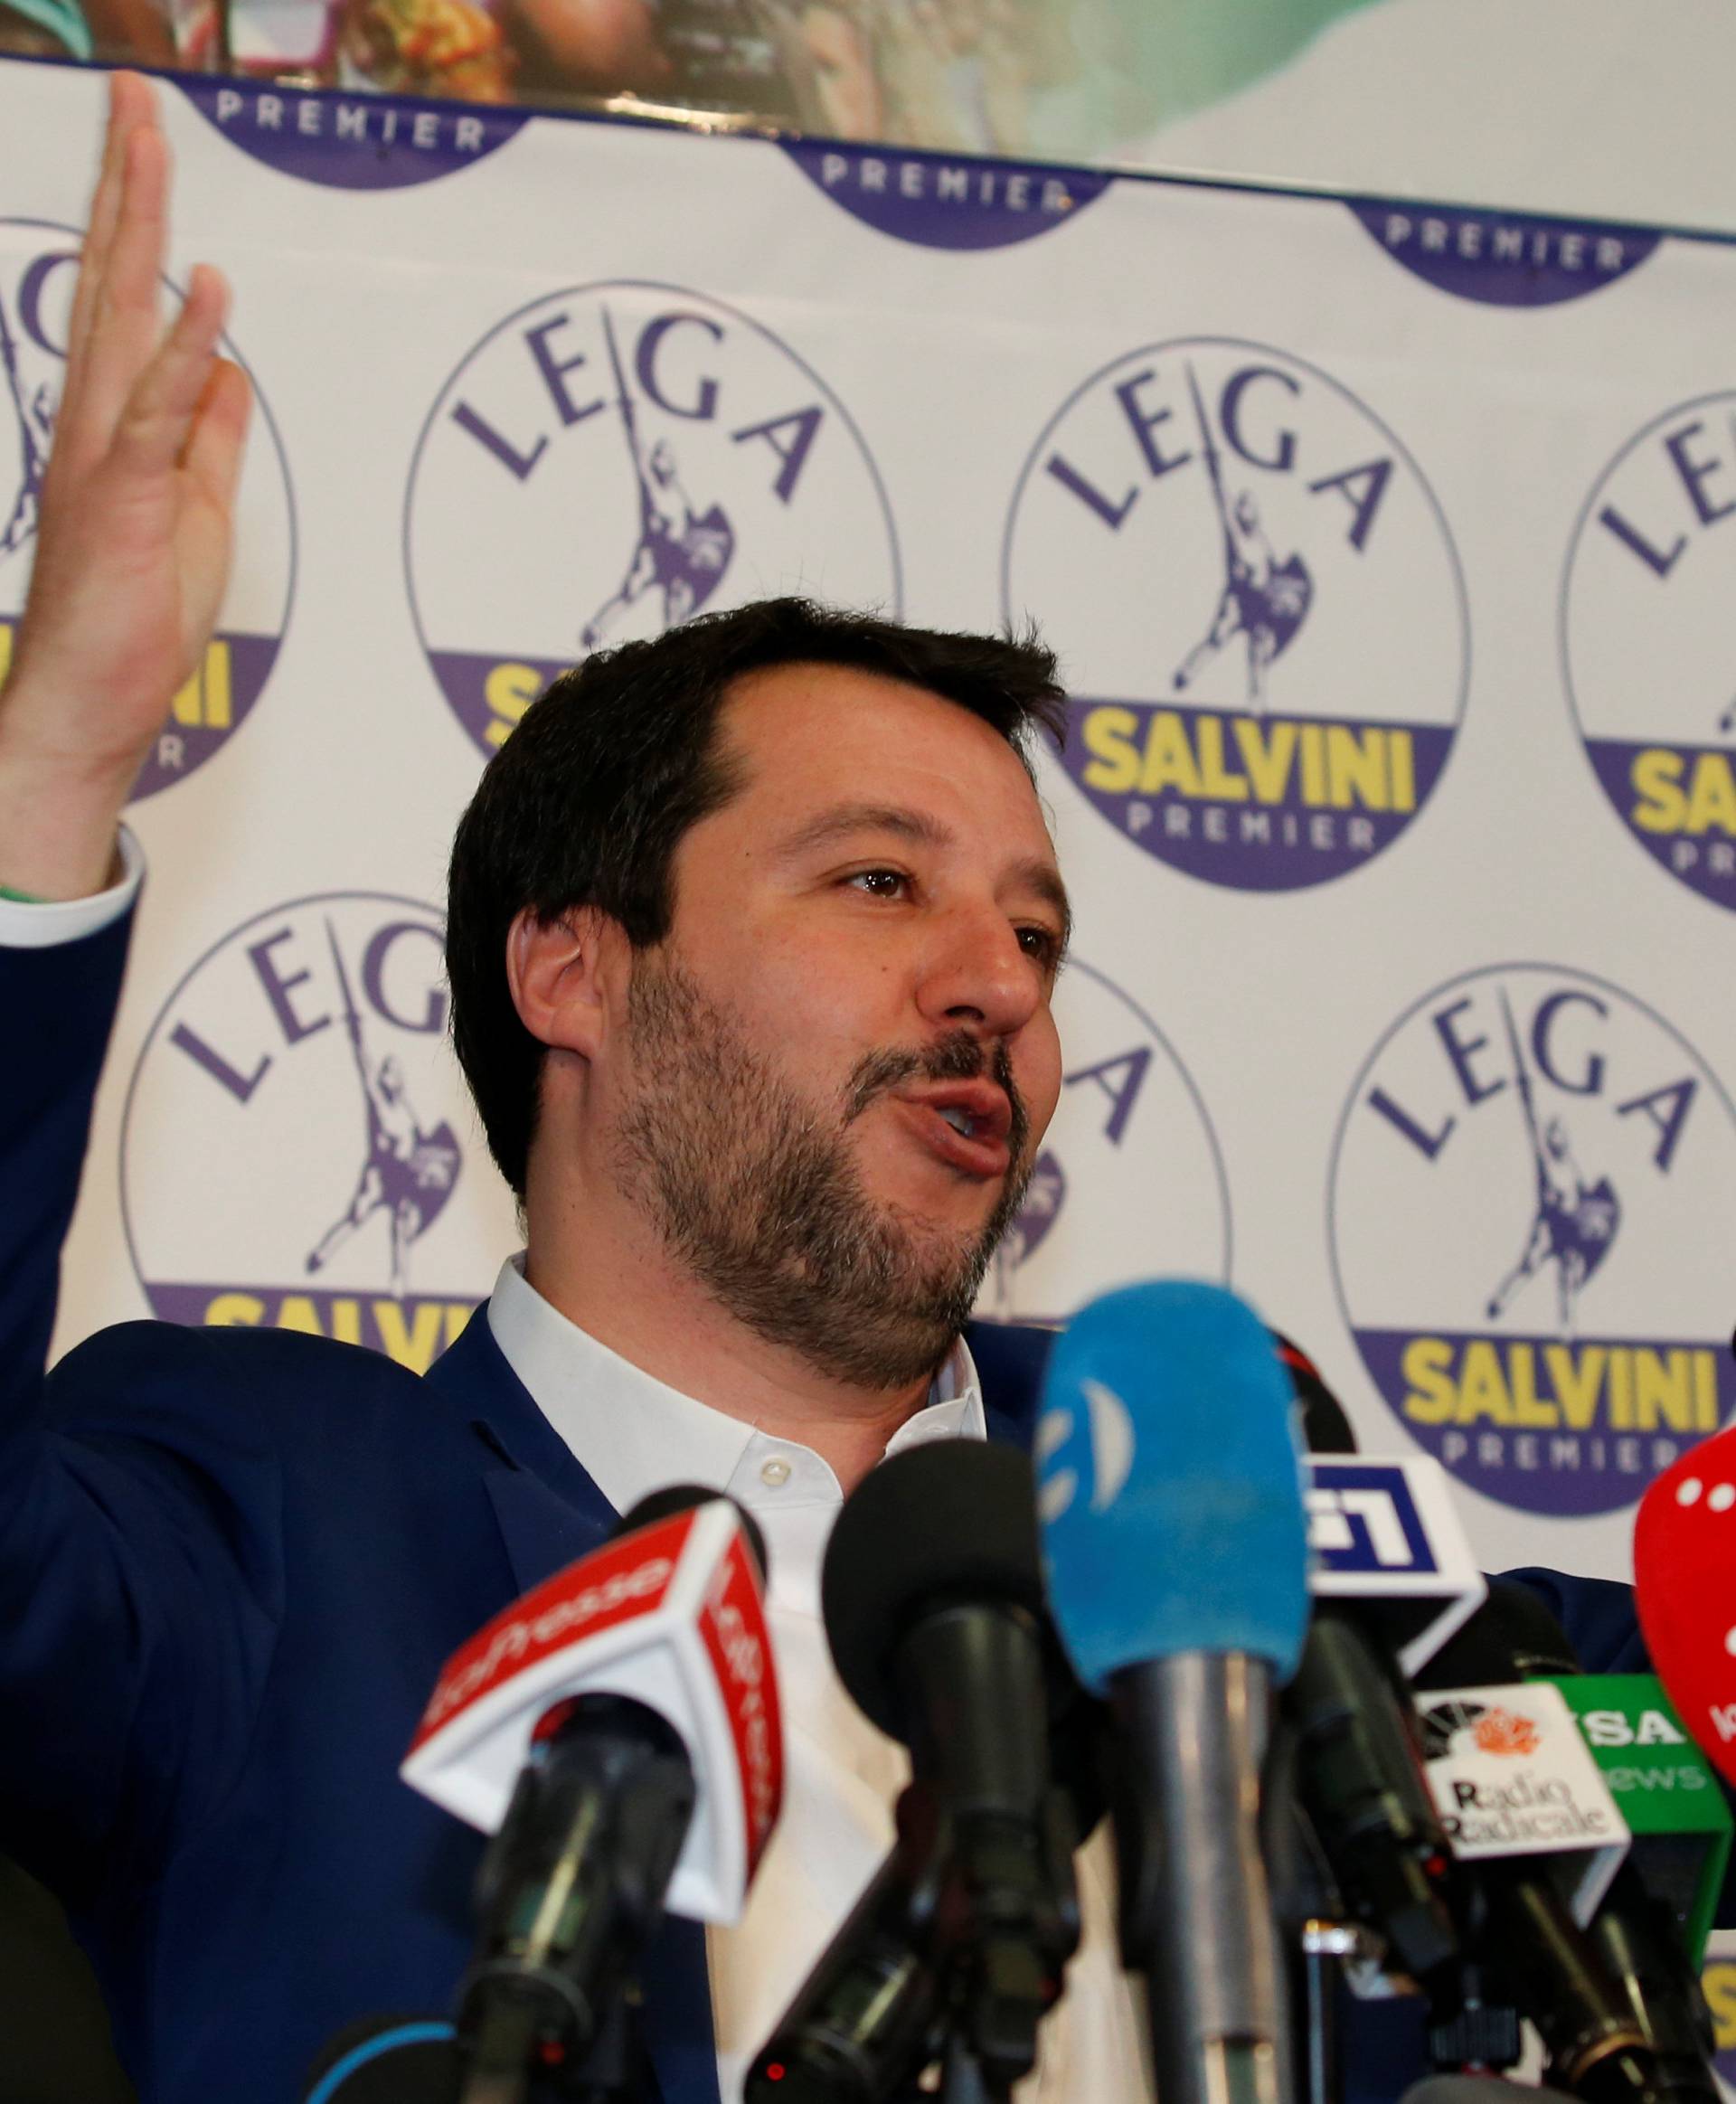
[635, 1435]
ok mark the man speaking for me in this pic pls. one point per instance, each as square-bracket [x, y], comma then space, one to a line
[753, 936]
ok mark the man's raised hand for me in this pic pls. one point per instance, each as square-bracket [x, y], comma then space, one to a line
[133, 545]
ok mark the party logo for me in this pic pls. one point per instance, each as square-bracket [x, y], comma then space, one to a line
[1503, 259]
[298, 1151]
[366, 141]
[608, 462]
[1647, 643]
[38, 270]
[1129, 1183]
[1525, 1186]
[1259, 606]
[938, 201]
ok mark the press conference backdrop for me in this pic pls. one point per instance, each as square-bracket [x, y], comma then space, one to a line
[1387, 553]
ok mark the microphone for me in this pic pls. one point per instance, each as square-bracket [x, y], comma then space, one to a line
[1685, 1586]
[1639, 1929]
[869, 2017]
[1358, 1766]
[1176, 1551]
[619, 1727]
[932, 1595]
[1521, 1930]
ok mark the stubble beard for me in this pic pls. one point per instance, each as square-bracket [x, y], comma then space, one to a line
[756, 1193]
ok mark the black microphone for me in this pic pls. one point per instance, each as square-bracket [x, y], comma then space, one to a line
[1635, 1930]
[574, 1883]
[869, 2015]
[1359, 1768]
[1521, 1930]
[932, 1595]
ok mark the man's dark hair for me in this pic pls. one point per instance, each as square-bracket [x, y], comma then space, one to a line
[588, 798]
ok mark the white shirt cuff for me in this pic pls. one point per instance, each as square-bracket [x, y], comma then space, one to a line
[39, 926]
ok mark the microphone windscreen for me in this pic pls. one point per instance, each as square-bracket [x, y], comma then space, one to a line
[682, 1498]
[389, 2060]
[951, 1522]
[1170, 1488]
[1511, 1636]
[1684, 1589]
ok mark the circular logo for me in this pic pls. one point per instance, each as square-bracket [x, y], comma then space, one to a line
[1647, 647]
[1524, 1189]
[298, 1149]
[38, 268]
[1129, 1122]
[609, 461]
[1260, 603]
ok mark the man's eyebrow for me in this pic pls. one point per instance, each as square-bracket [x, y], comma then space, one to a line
[843, 819]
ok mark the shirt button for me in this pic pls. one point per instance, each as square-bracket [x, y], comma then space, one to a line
[775, 1474]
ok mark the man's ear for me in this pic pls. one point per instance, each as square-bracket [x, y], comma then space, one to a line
[568, 978]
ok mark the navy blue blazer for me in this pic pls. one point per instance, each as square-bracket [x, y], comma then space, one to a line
[231, 1563]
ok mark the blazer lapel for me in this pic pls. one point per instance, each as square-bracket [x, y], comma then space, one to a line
[550, 1511]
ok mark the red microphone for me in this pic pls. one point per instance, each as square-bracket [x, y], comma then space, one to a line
[1684, 1586]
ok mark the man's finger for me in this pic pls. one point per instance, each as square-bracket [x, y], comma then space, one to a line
[123, 325]
[214, 450]
[154, 427]
[131, 103]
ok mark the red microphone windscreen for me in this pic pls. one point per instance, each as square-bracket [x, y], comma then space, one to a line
[1684, 1586]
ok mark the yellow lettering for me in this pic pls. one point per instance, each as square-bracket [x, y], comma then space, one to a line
[1705, 1391]
[1656, 777]
[1114, 765]
[1313, 764]
[1662, 1390]
[413, 1346]
[1169, 758]
[1527, 1409]
[1427, 1366]
[346, 1321]
[5, 650]
[1711, 799]
[1356, 767]
[1576, 1381]
[296, 1312]
[228, 1308]
[205, 698]
[1402, 758]
[217, 692]
[1482, 1386]
[1267, 752]
[1622, 1388]
[509, 690]
[457, 1314]
[1719, 1980]
[1228, 788]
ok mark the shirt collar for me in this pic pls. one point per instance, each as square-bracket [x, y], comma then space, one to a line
[634, 1434]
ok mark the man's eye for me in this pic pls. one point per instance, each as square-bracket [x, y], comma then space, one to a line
[1042, 943]
[881, 884]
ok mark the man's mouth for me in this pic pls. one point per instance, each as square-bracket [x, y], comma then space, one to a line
[965, 1124]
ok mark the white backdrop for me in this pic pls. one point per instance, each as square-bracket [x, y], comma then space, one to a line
[1381, 992]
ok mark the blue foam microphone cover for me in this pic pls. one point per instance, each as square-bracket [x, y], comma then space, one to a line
[1169, 1484]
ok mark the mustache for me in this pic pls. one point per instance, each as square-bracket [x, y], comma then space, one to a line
[956, 1057]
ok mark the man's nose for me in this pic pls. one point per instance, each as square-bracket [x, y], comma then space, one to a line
[978, 975]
